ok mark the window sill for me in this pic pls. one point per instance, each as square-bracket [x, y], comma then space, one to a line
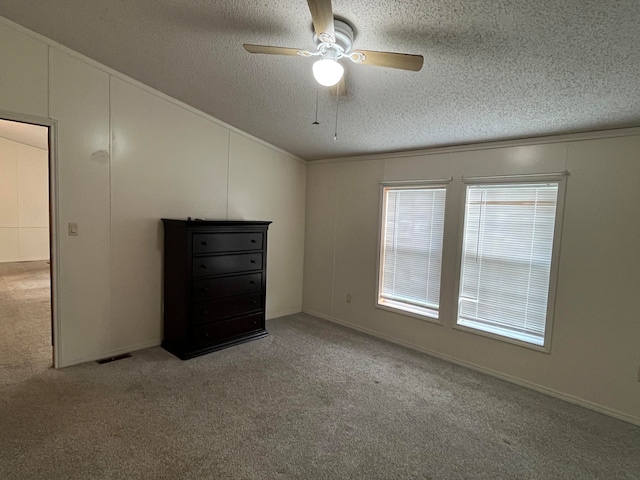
[502, 338]
[409, 313]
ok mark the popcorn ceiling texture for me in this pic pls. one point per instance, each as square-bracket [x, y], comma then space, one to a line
[493, 70]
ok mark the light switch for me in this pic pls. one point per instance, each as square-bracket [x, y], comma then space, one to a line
[73, 229]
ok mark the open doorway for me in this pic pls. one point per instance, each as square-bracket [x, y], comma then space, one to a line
[26, 327]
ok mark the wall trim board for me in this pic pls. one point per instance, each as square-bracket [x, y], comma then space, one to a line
[508, 378]
[52, 44]
[488, 145]
[110, 353]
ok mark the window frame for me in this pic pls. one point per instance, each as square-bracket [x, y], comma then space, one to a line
[433, 183]
[560, 179]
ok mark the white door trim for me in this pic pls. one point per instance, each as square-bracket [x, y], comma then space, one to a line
[54, 235]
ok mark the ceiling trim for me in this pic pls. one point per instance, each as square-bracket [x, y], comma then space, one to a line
[520, 142]
[121, 76]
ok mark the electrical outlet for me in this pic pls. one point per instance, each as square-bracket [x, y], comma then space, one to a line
[349, 300]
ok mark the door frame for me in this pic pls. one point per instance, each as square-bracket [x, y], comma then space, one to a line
[54, 233]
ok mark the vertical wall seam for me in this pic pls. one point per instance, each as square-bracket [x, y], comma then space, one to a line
[304, 236]
[17, 163]
[48, 82]
[335, 234]
[110, 122]
[228, 168]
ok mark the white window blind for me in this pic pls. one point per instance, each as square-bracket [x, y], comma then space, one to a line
[411, 249]
[506, 259]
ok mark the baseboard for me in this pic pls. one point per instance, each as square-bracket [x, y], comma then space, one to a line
[110, 353]
[508, 378]
[142, 346]
[273, 316]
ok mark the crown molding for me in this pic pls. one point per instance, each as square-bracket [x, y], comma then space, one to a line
[468, 147]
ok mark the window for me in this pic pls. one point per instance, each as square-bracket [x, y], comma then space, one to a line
[411, 248]
[508, 255]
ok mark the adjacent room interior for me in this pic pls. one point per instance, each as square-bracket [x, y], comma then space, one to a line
[452, 258]
[25, 268]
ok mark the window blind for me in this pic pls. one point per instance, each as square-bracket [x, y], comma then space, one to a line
[506, 259]
[411, 250]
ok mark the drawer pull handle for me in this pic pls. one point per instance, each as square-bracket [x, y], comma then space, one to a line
[205, 289]
[204, 243]
[204, 267]
[206, 311]
[254, 302]
[252, 282]
[253, 261]
[253, 241]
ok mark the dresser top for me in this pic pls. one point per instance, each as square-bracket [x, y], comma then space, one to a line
[214, 223]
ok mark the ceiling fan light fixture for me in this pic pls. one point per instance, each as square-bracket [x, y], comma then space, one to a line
[327, 72]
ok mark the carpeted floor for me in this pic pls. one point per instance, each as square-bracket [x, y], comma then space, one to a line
[312, 400]
[25, 320]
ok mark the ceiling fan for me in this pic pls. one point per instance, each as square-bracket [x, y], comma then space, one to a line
[334, 41]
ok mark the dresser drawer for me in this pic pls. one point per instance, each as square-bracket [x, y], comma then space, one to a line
[226, 242]
[215, 332]
[208, 288]
[227, 307]
[221, 264]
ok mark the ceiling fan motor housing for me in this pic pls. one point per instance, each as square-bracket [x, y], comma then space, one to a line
[344, 37]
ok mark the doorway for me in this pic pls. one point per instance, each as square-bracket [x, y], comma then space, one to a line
[26, 266]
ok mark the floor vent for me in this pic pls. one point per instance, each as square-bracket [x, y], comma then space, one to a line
[113, 359]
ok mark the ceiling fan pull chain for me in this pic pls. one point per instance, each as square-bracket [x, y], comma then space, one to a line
[317, 95]
[335, 135]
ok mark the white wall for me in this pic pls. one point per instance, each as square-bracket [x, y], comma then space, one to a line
[24, 77]
[24, 202]
[594, 357]
[79, 101]
[128, 156]
[265, 191]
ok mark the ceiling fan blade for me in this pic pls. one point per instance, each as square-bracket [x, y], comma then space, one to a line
[275, 50]
[340, 89]
[403, 61]
[322, 16]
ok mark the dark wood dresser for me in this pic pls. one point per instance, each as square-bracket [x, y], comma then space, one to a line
[214, 284]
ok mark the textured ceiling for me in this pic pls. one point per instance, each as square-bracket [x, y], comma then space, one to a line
[493, 70]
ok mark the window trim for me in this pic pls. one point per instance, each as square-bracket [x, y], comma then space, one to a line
[560, 179]
[432, 183]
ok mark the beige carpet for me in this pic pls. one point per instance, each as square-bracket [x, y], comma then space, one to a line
[25, 320]
[312, 400]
